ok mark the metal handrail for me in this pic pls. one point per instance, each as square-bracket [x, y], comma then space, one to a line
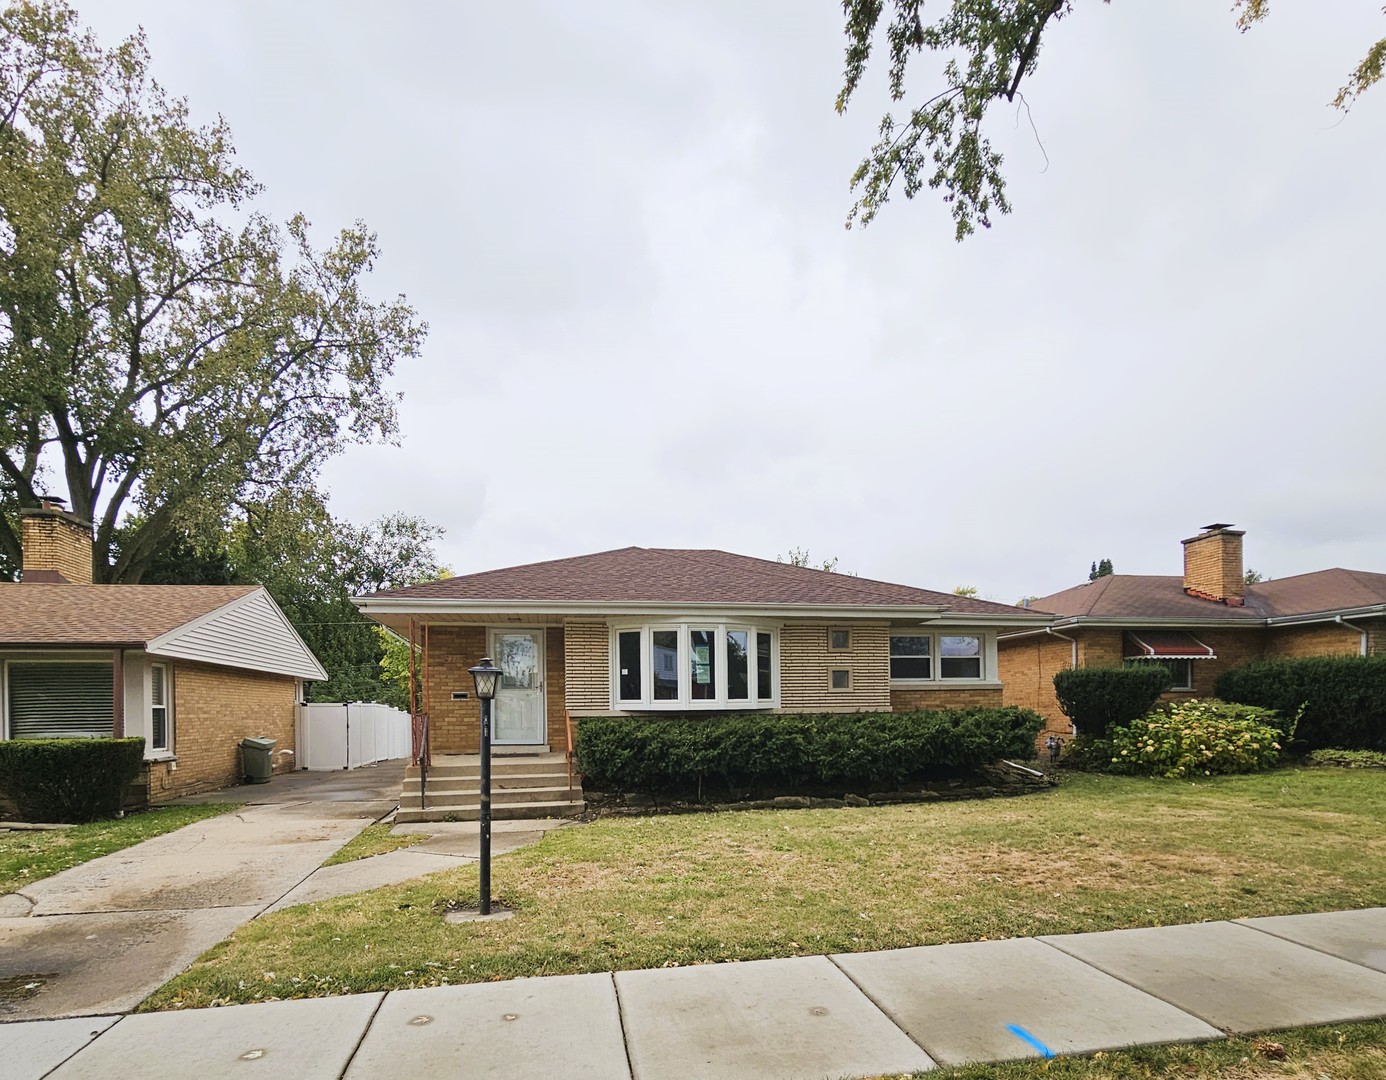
[424, 758]
[568, 725]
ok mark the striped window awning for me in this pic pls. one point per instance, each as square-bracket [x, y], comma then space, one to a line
[1164, 645]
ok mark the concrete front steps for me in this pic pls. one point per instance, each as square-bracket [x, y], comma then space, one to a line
[522, 786]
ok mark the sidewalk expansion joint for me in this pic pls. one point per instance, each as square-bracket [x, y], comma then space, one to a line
[370, 1022]
[879, 1007]
[621, 1019]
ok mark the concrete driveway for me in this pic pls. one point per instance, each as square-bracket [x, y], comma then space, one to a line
[101, 937]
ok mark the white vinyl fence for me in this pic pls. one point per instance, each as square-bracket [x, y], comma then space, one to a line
[350, 735]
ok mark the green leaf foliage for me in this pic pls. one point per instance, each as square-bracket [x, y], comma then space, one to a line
[787, 750]
[1197, 738]
[167, 350]
[1097, 699]
[68, 780]
[1343, 697]
[978, 53]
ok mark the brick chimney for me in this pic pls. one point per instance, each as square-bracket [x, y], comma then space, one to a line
[57, 545]
[1213, 565]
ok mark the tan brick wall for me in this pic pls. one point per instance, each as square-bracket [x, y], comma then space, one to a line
[454, 726]
[1213, 564]
[1329, 639]
[945, 697]
[805, 663]
[214, 708]
[1027, 667]
[1376, 639]
[587, 667]
[53, 540]
[1233, 648]
[1098, 648]
[555, 684]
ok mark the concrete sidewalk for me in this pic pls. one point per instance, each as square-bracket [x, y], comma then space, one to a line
[102, 936]
[859, 1014]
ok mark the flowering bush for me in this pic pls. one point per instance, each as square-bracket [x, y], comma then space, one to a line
[1198, 738]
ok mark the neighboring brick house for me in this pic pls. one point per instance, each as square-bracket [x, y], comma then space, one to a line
[191, 668]
[1197, 625]
[659, 630]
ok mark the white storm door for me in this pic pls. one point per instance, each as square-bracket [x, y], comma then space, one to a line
[519, 715]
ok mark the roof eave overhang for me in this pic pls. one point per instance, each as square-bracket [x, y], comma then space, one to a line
[68, 645]
[1368, 612]
[424, 608]
[1080, 622]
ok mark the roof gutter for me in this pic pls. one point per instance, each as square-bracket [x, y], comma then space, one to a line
[1335, 616]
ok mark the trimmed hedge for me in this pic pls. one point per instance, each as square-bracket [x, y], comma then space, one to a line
[1344, 698]
[1097, 699]
[68, 780]
[789, 750]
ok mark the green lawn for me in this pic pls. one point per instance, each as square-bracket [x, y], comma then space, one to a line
[373, 840]
[1339, 1052]
[28, 856]
[1097, 853]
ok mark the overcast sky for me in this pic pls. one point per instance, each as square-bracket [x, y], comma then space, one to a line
[623, 222]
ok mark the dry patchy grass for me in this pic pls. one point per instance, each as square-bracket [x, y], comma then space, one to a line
[1098, 853]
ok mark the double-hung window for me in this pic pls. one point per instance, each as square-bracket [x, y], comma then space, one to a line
[937, 657]
[694, 665]
[160, 729]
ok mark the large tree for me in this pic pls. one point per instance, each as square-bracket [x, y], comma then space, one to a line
[166, 352]
[987, 48]
[312, 564]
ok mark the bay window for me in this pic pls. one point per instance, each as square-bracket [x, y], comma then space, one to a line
[701, 665]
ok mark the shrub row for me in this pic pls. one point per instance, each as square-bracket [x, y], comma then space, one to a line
[788, 751]
[68, 780]
[1343, 697]
[1098, 699]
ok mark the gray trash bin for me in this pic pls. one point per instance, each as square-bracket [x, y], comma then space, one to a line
[257, 761]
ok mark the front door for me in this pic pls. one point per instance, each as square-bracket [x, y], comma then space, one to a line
[519, 718]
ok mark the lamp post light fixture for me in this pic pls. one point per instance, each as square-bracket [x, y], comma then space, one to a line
[487, 678]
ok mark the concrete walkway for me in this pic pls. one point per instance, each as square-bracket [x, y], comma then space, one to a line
[102, 936]
[860, 1014]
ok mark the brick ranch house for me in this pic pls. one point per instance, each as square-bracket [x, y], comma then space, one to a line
[1197, 625]
[191, 668]
[651, 630]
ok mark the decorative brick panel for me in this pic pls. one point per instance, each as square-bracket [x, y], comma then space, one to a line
[587, 667]
[805, 664]
[214, 708]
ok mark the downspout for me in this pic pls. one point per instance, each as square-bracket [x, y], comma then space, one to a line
[1349, 626]
[1065, 637]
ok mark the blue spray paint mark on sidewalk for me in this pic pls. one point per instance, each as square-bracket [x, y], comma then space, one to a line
[1023, 1035]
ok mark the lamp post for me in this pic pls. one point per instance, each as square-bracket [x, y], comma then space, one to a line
[487, 677]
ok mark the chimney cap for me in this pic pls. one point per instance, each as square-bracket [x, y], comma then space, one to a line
[1217, 526]
[53, 502]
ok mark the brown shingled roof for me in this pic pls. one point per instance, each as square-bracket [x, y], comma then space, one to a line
[1145, 596]
[104, 615]
[684, 576]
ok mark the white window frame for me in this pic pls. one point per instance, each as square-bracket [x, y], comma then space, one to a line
[150, 749]
[684, 701]
[986, 669]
